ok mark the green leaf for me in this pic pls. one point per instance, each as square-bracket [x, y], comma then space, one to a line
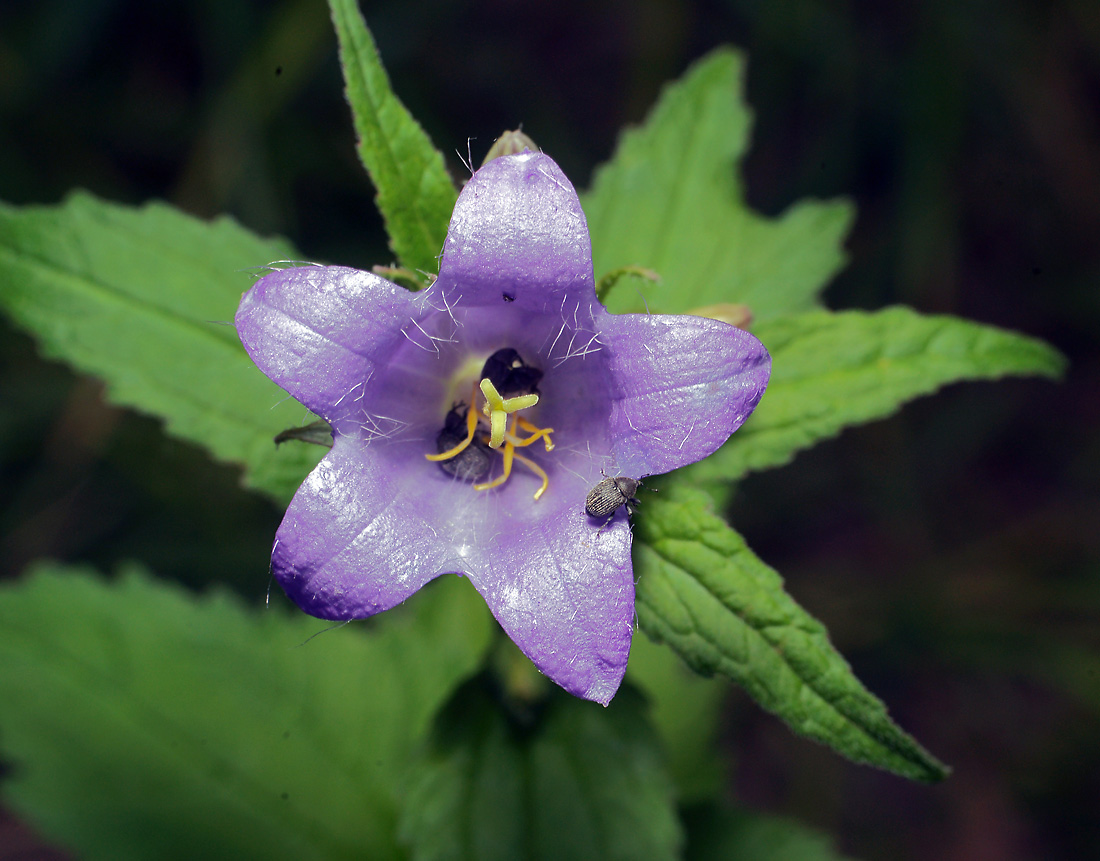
[143, 723]
[686, 710]
[570, 780]
[834, 370]
[415, 193]
[144, 299]
[702, 591]
[671, 201]
[719, 832]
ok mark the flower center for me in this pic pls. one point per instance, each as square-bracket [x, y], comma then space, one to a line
[508, 385]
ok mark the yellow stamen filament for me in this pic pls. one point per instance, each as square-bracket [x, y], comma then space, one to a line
[537, 470]
[526, 441]
[471, 426]
[509, 453]
[538, 432]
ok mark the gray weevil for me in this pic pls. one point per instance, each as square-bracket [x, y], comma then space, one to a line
[610, 495]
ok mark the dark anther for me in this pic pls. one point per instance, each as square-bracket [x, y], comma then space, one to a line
[510, 374]
[474, 461]
[509, 297]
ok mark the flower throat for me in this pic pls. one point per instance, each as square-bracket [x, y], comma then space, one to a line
[471, 436]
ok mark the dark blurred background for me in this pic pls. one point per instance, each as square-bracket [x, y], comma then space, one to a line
[952, 550]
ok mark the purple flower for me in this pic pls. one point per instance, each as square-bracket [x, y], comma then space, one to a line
[396, 374]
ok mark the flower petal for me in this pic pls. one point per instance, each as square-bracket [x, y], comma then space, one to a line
[316, 330]
[682, 385]
[565, 596]
[518, 235]
[354, 542]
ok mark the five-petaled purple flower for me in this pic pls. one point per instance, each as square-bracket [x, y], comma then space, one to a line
[396, 374]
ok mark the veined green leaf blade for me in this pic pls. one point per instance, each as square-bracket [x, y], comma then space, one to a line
[702, 591]
[670, 200]
[144, 299]
[833, 370]
[717, 831]
[144, 723]
[415, 193]
[567, 779]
